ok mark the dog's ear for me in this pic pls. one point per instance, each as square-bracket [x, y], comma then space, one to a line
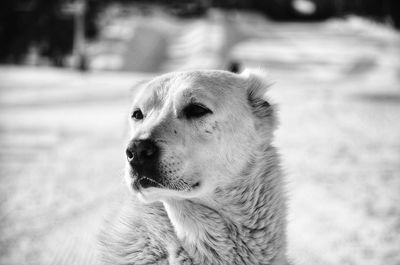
[257, 87]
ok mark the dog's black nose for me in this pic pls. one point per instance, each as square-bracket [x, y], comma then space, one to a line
[140, 152]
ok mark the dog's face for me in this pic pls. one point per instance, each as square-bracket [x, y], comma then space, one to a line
[193, 132]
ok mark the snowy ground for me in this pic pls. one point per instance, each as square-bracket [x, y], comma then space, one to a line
[338, 88]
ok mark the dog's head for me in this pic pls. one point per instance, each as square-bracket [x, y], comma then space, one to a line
[195, 131]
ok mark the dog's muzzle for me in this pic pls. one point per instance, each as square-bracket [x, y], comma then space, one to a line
[143, 156]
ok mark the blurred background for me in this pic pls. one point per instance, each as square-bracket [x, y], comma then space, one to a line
[66, 73]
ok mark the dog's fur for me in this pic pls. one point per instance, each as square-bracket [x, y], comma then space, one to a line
[222, 198]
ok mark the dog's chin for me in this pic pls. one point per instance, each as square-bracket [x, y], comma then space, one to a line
[154, 194]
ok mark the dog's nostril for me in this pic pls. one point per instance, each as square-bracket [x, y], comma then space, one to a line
[129, 155]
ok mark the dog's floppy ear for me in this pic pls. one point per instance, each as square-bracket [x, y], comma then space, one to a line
[257, 87]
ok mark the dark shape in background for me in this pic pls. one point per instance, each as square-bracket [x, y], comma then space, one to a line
[40, 24]
[44, 26]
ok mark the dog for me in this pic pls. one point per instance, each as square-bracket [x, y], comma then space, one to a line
[206, 180]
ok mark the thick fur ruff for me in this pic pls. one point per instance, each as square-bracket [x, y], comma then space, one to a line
[241, 222]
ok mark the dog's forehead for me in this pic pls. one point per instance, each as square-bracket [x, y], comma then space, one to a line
[186, 86]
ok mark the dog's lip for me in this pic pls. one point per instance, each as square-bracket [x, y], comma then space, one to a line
[140, 181]
[146, 182]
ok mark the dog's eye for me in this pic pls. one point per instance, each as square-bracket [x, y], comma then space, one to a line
[193, 111]
[137, 114]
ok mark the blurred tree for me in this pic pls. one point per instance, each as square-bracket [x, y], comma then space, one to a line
[379, 10]
[393, 7]
[41, 24]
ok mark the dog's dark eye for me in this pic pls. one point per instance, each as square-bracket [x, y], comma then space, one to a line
[193, 111]
[137, 114]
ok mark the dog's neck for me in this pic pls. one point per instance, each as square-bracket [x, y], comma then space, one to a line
[244, 224]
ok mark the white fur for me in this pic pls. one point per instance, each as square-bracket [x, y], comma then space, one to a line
[237, 213]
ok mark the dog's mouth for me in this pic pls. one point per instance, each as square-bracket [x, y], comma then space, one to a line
[146, 182]
[143, 182]
[144, 177]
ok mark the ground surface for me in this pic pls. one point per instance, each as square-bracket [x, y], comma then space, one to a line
[338, 88]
